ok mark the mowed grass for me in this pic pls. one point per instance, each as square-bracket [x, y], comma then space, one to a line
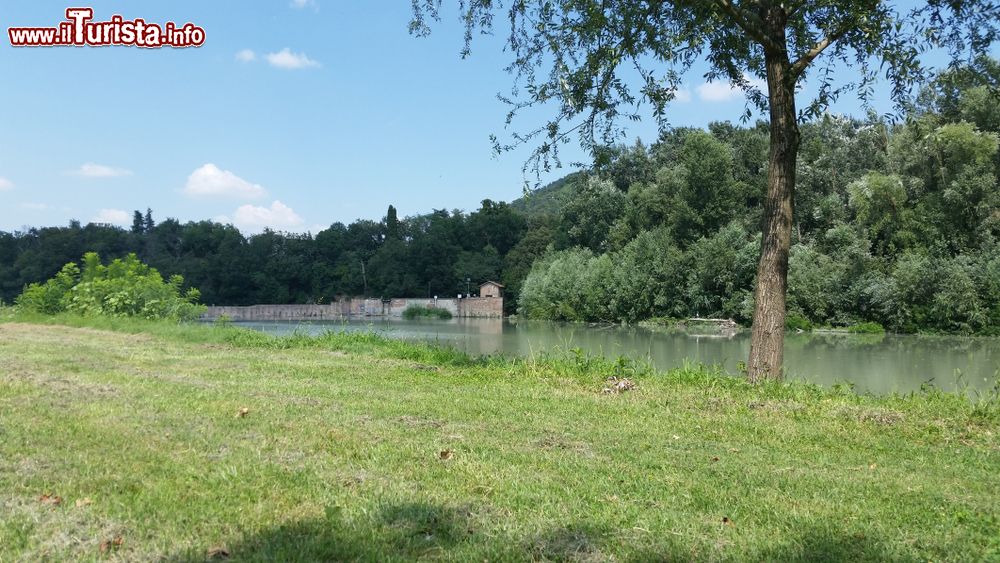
[353, 447]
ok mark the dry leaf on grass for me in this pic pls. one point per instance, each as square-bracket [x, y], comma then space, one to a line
[445, 455]
[47, 498]
[81, 502]
[218, 552]
[114, 543]
[242, 412]
[616, 385]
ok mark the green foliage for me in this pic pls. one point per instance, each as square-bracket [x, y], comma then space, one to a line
[895, 224]
[649, 277]
[589, 216]
[420, 312]
[50, 297]
[878, 202]
[720, 273]
[795, 321]
[567, 285]
[124, 288]
[816, 285]
[863, 210]
[579, 59]
[866, 328]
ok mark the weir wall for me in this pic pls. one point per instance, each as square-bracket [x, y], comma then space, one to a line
[477, 307]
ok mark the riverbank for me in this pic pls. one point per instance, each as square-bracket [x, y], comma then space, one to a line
[155, 440]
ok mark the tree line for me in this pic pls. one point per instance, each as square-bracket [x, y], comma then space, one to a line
[441, 253]
[895, 223]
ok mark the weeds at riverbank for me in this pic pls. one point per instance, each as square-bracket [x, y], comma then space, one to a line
[420, 312]
[565, 361]
[358, 447]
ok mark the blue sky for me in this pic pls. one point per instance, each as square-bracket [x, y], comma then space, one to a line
[293, 115]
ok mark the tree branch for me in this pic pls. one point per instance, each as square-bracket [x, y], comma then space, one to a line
[799, 66]
[793, 8]
[754, 28]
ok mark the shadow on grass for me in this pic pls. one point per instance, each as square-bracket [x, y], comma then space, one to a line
[819, 544]
[397, 532]
[419, 531]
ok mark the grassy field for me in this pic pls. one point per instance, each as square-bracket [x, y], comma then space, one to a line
[159, 442]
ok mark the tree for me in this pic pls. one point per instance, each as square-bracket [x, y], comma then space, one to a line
[495, 224]
[578, 54]
[392, 231]
[138, 224]
[589, 215]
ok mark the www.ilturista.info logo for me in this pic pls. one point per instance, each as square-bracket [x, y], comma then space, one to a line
[78, 30]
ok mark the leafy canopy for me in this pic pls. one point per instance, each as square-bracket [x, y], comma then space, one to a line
[602, 62]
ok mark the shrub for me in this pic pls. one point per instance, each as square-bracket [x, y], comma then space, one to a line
[866, 328]
[420, 312]
[558, 287]
[815, 284]
[124, 288]
[795, 321]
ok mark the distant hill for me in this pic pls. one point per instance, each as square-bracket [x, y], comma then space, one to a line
[549, 198]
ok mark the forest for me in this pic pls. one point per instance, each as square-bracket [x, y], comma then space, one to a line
[897, 223]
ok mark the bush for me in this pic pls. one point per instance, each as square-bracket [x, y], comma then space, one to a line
[815, 285]
[795, 321]
[564, 286]
[420, 312]
[866, 328]
[124, 288]
[720, 271]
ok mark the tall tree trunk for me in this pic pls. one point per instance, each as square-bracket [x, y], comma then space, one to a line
[768, 337]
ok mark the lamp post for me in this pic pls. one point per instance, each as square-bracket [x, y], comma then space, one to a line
[468, 291]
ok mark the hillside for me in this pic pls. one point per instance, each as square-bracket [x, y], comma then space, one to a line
[548, 199]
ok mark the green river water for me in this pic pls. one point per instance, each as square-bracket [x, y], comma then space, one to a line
[871, 363]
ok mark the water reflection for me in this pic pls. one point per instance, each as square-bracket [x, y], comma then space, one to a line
[875, 363]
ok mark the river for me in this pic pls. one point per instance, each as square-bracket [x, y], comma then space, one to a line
[871, 363]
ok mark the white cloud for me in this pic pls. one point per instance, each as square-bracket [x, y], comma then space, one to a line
[246, 56]
[277, 216]
[113, 217]
[5, 184]
[91, 170]
[723, 91]
[682, 95]
[34, 206]
[299, 4]
[210, 181]
[288, 60]
[718, 92]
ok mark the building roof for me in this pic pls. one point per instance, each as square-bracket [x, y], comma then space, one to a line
[491, 282]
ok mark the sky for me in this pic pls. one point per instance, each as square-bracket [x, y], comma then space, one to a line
[294, 114]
